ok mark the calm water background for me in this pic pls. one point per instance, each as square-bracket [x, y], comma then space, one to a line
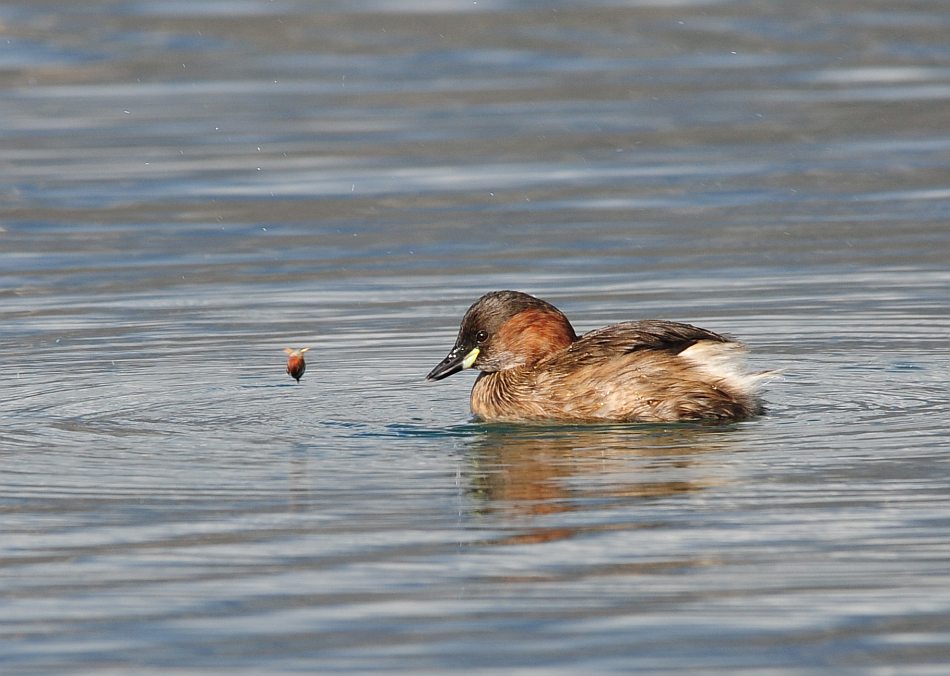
[190, 186]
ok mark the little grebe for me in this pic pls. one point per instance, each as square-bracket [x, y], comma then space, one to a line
[535, 368]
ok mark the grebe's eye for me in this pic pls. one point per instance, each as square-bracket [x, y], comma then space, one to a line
[481, 337]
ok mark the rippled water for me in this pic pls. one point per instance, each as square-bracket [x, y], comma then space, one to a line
[190, 187]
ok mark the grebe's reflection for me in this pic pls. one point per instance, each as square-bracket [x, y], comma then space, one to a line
[525, 471]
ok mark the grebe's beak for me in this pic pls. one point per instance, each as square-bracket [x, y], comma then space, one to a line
[459, 358]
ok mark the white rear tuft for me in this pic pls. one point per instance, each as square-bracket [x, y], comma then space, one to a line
[725, 363]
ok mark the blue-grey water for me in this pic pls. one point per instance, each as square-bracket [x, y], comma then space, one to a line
[189, 187]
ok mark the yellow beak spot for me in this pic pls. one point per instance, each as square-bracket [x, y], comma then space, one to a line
[470, 359]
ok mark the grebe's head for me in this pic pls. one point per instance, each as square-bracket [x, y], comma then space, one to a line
[505, 329]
